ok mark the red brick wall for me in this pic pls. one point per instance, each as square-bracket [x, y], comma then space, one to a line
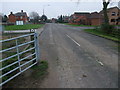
[96, 21]
[77, 18]
[24, 18]
[12, 18]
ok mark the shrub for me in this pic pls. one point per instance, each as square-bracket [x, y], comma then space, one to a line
[116, 33]
[108, 29]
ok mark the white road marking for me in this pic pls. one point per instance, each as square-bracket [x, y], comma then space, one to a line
[73, 40]
[100, 63]
[51, 35]
[79, 45]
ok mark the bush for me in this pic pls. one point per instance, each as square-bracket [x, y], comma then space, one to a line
[116, 33]
[108, 29]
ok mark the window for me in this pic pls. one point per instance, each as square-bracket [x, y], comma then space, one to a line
[113, 20]
[21, 17]
[118, 14]
[113, 13]
[118, 20]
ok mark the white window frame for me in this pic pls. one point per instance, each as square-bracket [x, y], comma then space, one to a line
[113, 14]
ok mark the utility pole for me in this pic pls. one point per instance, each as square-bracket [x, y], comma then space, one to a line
[44, 8]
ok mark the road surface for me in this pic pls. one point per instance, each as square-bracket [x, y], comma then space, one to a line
[78, 59]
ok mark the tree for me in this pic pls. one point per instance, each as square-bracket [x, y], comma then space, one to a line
[34, 17]
[60, 19]
[43, 18]
[105, 5]
[4, 18]
[106, 27]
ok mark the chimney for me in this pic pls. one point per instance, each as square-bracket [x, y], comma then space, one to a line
[11, 12]
[21, 10]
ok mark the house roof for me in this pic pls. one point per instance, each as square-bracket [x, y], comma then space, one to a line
[80, 18]
[109, 9]
[113, 8]
[95, 15]
[81, 13]
[87, 14]
[21, 14]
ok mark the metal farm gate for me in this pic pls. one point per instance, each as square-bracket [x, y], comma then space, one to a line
[22, 60]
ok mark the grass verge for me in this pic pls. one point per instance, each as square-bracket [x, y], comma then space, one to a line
[101, 34]
[23, 27]
[40, 70]
[79, 25]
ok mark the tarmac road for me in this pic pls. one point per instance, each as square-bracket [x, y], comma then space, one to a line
[78, 59]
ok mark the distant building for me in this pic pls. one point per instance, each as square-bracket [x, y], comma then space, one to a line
[96, 18]
[80, 18]
[66, 19]
[43, 18]
[19, 18]
[53, 20]
[113, 15]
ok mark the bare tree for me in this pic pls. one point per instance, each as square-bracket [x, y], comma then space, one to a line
[105, 5]
[34, 17]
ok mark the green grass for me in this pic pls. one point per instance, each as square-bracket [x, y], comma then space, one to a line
[40, 70]
[117, 25]
[79, 25]
[99, 33]
[23, 27]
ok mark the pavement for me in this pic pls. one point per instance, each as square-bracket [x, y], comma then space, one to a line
[78, 59]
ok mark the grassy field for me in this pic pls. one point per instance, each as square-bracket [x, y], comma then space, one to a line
[23, 27]
[93, 31]
[79, 25]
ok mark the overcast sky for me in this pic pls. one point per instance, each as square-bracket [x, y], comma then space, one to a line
[56, 8]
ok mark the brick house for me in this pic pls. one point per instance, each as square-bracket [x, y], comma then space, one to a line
[66, 19]
[19, 18]
[113, 15]
[80, 18]
[53, 20]
[96, 18]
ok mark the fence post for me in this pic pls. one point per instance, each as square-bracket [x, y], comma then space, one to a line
[18, 54]
[33, 44]
[36, 46]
